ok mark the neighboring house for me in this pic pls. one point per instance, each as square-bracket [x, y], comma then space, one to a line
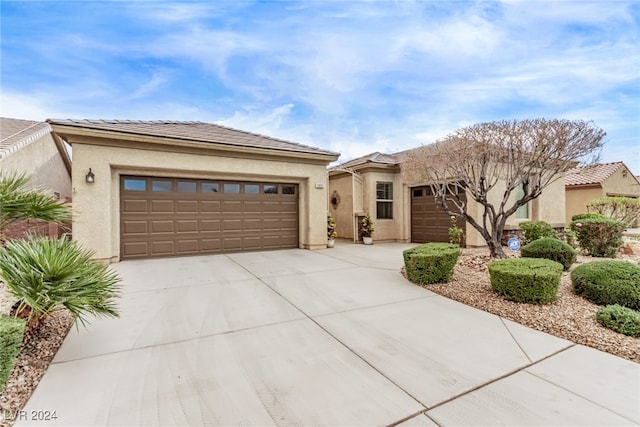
[590, 182]
[409, 213]
[161, 188]
[28, 147]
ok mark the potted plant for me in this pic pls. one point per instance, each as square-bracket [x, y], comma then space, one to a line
[331, 231]
[366, 229]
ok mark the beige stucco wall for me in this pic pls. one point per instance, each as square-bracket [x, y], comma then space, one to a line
[385, 229]
[577, 199]
[619, 184]
[42, 161]
[96, 222]
[343, 186]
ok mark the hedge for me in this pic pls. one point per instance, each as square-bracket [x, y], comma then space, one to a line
[608, 282]
[534, 230]
[531, 280]
[11, 334]
[600, 237]
[620, 319]
[553, 249]
[431, 262]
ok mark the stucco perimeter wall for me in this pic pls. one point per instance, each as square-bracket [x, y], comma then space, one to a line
[96, 220]
[41, 160]
[385, 229]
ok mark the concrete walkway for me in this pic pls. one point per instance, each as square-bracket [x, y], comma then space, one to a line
[331, 337]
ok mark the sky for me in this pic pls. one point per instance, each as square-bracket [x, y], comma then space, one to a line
[349, 76]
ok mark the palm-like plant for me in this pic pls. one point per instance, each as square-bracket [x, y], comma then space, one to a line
[17, 203]
[44, 274]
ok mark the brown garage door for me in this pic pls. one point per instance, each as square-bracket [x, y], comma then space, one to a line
[429, 222]
[167, 217]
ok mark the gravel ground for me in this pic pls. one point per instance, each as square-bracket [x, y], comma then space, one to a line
[570, 317]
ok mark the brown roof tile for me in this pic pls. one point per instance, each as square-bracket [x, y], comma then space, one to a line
[373, 158]
[192, 131]
[591, 174]
[16, 133]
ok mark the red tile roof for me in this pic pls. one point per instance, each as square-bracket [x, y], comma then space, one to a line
[591, 174]
[191, 131]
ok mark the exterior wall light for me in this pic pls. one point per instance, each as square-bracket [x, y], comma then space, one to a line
[90, 178]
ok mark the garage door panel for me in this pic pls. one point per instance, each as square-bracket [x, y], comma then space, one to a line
[187, 226]
[161, 206]
[210, 206]
[174, 222]
[134, 206]
[209, 225]
[185, 206]
[162, 226]
[166, 247]
[135, 227]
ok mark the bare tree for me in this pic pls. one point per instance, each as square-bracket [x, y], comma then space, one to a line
[489, 161]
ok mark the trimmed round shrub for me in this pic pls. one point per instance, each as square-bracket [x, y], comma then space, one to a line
[608, 282]
[431, 262]
[620, 319]
[599, 237]
[553, 249]
[531, 280]
[534, 230]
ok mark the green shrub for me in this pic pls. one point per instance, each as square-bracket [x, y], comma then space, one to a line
[599, 237]
[11, 333]
[581, 216]
[608, 282]
[553, 249]
[531, 280]
[431, 262]
[44, 274]
[620, 319]
[534, 230]
[625, 209]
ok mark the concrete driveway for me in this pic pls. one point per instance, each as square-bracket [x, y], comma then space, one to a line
[331, 337]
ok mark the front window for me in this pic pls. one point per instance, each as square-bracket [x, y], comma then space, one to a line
[384, 200]
[523, 211]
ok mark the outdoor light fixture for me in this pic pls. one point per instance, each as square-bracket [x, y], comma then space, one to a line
[90, 177]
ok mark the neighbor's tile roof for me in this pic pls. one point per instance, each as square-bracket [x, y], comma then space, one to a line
[591, 174]
[373, 158]
[191, 131]
[16, 133]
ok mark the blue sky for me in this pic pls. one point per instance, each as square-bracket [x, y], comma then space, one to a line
[349, 76]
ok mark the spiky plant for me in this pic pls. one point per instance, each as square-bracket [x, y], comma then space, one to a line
[44, 274]
[17, 203]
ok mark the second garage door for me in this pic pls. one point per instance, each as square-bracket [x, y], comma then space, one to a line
[173, 216]
[429, 222]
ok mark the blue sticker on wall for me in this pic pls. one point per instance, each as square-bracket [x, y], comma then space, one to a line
[514, 244]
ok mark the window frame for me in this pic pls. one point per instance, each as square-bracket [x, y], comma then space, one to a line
[387, 192]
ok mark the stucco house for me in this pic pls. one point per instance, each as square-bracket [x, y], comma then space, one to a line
[586, 183]
[374, 184]
[29, 147]
[162, 188]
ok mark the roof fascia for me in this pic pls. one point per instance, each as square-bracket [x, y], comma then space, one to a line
[73, 134]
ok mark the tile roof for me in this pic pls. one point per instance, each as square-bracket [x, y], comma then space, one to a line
[591, 174]
[16, 133]
[373, 158]
[191, 131]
